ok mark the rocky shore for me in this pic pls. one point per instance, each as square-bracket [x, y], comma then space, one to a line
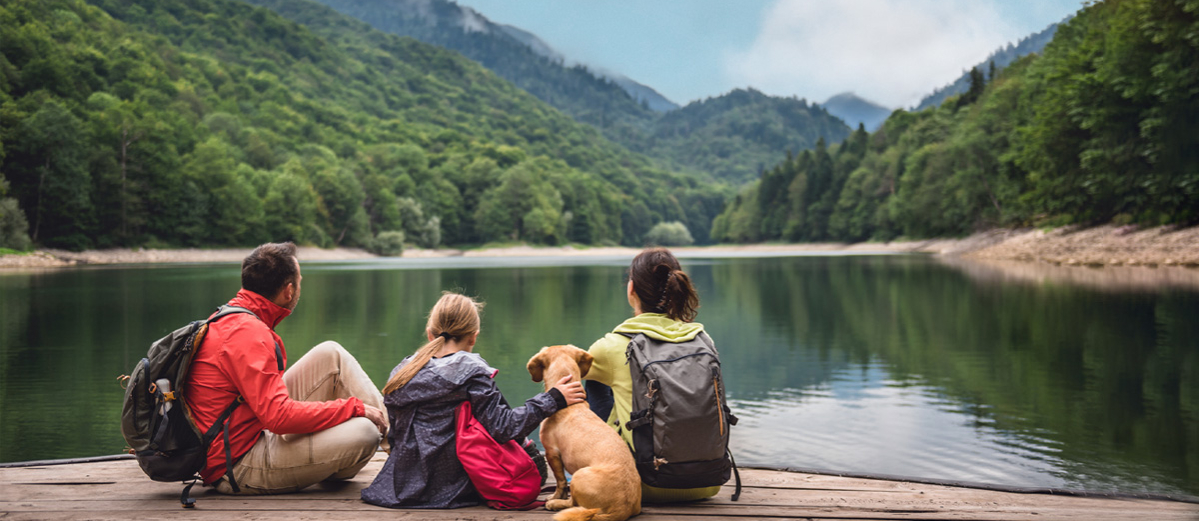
[1098, 246]
[1068, 246]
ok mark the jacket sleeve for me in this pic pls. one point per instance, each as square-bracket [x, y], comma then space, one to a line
[607, 358]
[253, 370]
[501, 421]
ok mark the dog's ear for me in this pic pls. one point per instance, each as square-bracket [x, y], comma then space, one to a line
[536, 366]
[584, 359]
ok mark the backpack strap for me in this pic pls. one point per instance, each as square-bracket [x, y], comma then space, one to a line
[736, 474]
[222, 422]
[222, 311]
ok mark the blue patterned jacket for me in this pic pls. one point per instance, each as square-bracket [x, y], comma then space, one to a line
[422, 470]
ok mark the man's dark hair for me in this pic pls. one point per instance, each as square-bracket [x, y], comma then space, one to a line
[269, 268]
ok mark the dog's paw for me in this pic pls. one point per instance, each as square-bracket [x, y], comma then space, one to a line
[555, 505]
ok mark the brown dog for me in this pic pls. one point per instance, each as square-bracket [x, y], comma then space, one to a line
[604, 482]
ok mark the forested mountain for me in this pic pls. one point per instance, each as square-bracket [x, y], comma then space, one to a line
[212, 122]
[1102, 127]
[518, 57]
[855, 110]
[602, 102]
[738, 135]
[1001, 58]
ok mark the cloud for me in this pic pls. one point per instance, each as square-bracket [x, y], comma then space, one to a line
[889, 51]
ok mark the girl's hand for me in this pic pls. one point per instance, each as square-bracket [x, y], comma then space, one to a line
[572, 391]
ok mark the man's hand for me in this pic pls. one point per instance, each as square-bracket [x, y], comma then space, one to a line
[376, 417]
[572, 391]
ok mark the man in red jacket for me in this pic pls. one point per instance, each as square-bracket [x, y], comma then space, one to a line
[320, 419]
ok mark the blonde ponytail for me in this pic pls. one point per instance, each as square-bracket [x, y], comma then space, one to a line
[454, 316]
[422, 357]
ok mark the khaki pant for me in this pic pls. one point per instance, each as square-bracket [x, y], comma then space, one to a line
[279, 464]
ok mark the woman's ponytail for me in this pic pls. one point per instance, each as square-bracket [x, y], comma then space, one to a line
[663, 286]
[682, 303]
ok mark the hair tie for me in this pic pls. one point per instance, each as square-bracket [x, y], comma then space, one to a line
[446, 336]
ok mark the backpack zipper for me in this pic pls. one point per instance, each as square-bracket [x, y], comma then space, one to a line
[646, 366]
[719, 406]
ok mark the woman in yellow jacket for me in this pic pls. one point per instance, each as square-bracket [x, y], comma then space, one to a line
[664, 304]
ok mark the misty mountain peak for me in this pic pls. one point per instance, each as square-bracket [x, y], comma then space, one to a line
[854, 110]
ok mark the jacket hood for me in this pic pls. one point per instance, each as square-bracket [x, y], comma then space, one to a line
[439, 380]
[660, 327]
[269, 312]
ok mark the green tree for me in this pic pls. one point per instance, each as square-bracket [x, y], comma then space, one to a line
[387, 244]
[978, 83]
[291, 207]
[14, 229]
[523, 206]
[669, 234]
[49, 165]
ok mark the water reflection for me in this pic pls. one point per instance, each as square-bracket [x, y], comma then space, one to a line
[839, 426]
[1115, 278]
[882, 364]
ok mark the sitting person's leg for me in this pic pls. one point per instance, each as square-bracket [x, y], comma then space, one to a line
[329, 372]
[287, 463]
[281, 464]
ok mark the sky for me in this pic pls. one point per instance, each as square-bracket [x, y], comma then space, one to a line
[892, 52]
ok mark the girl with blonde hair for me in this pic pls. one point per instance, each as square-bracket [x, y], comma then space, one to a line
[421, 396]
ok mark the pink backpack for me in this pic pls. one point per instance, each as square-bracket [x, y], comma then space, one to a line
[504, 474]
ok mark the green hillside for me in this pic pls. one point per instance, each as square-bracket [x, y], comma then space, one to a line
[1103, 127]
[738, 135]
[212, 122]
[574, 90]
[730, 138]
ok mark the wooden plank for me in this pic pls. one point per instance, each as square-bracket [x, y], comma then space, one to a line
[118, 490]
[280, 508]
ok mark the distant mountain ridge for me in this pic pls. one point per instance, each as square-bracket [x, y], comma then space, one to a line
[1033, 43]
[624, 111]
[512, 53]
[536, 44]
[854, 109]
[644, 94]
[640, 92]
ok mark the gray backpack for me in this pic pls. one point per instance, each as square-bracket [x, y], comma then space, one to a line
[680, 419]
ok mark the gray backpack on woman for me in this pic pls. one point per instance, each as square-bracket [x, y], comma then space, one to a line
[680, 419]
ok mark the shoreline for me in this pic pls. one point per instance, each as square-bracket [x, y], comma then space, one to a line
[1101, 246]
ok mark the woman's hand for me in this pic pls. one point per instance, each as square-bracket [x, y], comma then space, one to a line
[571, 391]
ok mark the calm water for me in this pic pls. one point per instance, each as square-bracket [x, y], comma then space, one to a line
[881, 364]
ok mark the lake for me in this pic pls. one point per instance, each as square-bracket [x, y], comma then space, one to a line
[886, 364]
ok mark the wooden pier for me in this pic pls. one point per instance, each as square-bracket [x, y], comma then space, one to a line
[118, 490]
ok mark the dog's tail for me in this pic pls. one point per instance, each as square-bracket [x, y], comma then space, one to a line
[576, 514]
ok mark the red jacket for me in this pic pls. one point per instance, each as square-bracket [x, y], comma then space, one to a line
[238, 357]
